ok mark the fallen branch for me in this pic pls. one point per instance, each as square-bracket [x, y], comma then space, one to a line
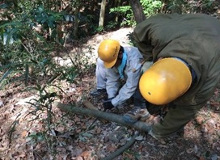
[104, 115]
[122, 149]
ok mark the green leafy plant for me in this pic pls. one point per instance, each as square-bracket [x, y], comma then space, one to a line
[27, 58]
[22, 46]
[43, 105]
[180, 6]
[150, 7]
[126, 12]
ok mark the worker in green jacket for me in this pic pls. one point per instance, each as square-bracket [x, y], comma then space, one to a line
[185, 51]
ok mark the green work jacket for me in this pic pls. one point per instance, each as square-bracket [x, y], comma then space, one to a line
[194, 38]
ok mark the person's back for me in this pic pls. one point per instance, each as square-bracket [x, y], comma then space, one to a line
[165, 28]
[192, 37]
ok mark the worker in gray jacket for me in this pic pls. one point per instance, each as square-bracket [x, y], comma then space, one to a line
[118, 70]
[185, 52]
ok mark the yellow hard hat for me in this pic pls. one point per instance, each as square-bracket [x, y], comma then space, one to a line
[166, 80]
[108, 52]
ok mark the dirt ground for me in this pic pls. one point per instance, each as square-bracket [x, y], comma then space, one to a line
[80, 137]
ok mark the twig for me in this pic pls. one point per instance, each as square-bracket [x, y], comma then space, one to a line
[12, 128]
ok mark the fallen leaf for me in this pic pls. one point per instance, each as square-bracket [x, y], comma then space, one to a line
[111, 148]
[199, 119]
[86, 155]
[24, 134]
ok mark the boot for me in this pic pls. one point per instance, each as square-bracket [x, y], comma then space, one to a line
[136, 114]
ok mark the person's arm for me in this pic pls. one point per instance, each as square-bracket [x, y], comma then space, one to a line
[141, 35]
[112, 83]
[128, 89]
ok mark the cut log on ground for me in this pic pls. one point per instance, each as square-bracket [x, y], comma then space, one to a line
[71, 109]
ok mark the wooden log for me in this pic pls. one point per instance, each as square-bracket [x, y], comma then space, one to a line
[71, 109]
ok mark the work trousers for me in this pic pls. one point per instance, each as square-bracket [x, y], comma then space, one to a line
[175, 119]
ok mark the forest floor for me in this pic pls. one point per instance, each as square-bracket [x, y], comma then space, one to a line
[83, 137]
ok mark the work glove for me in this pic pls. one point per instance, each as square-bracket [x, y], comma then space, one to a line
[107, 104]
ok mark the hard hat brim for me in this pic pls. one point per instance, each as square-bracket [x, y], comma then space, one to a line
[110, 64]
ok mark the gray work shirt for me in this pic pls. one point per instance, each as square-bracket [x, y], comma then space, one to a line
[132, 74]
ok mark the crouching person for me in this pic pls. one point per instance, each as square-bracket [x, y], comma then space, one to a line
[185, 52]
[118, 70]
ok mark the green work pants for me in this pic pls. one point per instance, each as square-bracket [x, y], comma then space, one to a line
[175, 119]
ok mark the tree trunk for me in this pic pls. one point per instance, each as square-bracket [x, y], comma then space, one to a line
[102, 13]
[76, 19]
[117, 4]
[137, 11]
[76, 23]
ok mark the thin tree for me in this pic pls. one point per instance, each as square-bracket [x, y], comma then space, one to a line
[102, 13]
